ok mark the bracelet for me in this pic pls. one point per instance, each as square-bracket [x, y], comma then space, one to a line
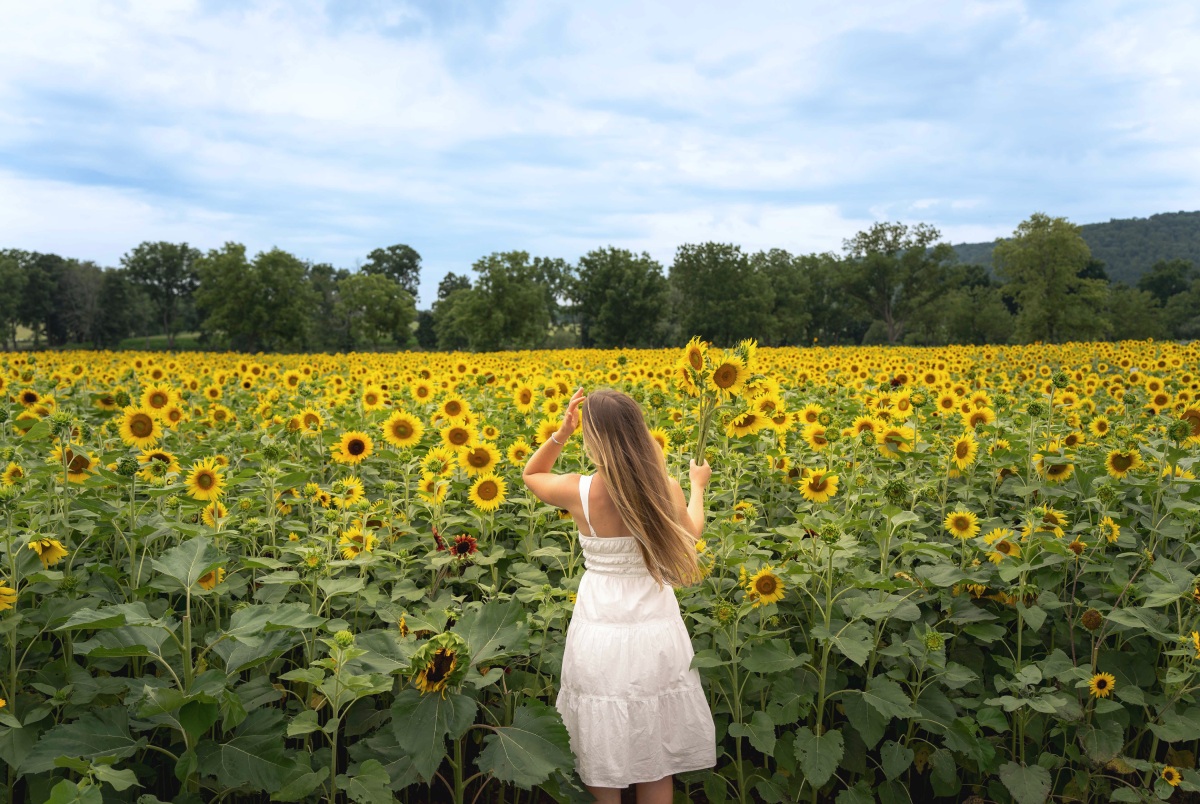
[556, 441]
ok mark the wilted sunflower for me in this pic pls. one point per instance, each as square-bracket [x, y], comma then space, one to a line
[354, 448]
[818, 485]
[204, 481]
[1120, 463]
[403, 429]
[440, 663]
[479, 459]
[764, 587]
[50, 551]
[964, 450]
[487, 493]
[1101, 685]
[8, 596]
[961, 524]
[139, 428]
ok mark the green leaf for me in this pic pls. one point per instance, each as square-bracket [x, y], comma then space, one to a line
[422, 722]
[188, 562]
[1102, 744]
[818, 755]
[197, 717]
[94, 735]
[888, 698]
[257, 755]
[301, 786]
[304, 723]
[708, 658]
[369, 785]
[853, 641]
[249, 624]
[493, 630]
[866, 720]
[760, 730]
[895, 758]
[66, 792]
[1028, 785]
[119, 779]
[108, 617]
[530, 750]
[771, 657]
[1178, 727]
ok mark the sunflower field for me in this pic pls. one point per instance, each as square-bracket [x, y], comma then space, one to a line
[957, 574]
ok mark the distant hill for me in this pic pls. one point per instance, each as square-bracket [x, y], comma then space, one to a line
[1127, 247]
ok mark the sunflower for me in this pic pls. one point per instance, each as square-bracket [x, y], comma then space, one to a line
[659, 436]
[487, 492]
[78, 464]
[453, 408]
[728, 376]
[8, 596]
[1003, 549]
[13, 474]
[814, 436]
[173, 416]
[693, 354]
[684, 379]
[818, 486]
[519, 452]
[354, 447]
[961, 524]
[433, 677]
[764, 587]
[1120, 463]
[50, 551]
[946, 403]
[402, 429]
[1101, 685]
[546, 429]
[1099, 426]
[355, 542]
[1196, 643]
[893, 440]
[464, 546]
[433, 487]
[865, 423]
[156, 398]
[213, 512]
[1171, 776]
[980, 416]
[211, 578]
[373, 398]
[147, 457]
[525, 398]
[811, 413]
[741, 512]
[204, 481]
[965, 450]
[457, 437]
[746, 423]
[311, 421]
[351, 492]
[1049, 520]
[1054, 472]
[1110, 529]
[139, 428]
[479, 459]
[1191, 415]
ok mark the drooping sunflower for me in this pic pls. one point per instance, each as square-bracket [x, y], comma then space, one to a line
[436, 666]
[354, 448]
[78, 464]
[211, 578]
[479, 459]
[13, 474]
[1110, 529]
[519, 452]
[49, 551]
[1119, 463]
[8, 596]
[213, 512]
[818, 485]
[964, 450]
[355, 541]
[487, 492]
[139, 428]
[961, 524]
[893, 440]
[1101, 685]
[403, 429]
[204, 481]
[765, 587]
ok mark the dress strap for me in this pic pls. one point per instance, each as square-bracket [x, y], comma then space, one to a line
[585, 485]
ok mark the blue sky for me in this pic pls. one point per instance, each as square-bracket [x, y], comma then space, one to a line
[462, 128]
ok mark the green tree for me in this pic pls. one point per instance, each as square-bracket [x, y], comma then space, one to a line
[167, 274]
[1041, 265]
[619, 298]
[1167, 278]
[450, 312]
[1135, 314]
[38, 309]
[325, 331]
[893, 271]
[1182, 313]
[400, 263]
[12, 282]
[718, 294]
[791, 313]
[835, 318]
[508, 307]
[120, 303]
[375, 308]
[260, 305]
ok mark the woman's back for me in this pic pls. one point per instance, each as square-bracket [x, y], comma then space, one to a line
[600, 509]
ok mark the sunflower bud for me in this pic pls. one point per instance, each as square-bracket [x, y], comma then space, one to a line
[273, 452]
[127, 465]
[1035, 409]
[723, 611]
[1092, 619]
[831, 534]
[69, 583]
[343, 639]
[934, 640]
[1107, 494]
[833, 434]
[1061, 379]
[123, 399]
[1180, 431]
[657, 399]
[824, 418]
[866, 438]
[390, 486]
[999, 401]
[896, 491]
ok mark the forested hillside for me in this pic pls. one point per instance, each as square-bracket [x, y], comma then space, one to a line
[1127, 247]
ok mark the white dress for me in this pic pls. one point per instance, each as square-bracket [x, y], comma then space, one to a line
[633, 709]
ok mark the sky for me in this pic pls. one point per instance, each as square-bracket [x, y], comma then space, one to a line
[329, 129]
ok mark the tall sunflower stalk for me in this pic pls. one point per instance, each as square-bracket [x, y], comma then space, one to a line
[713, 376]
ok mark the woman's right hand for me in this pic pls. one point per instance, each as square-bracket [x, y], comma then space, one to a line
[699, 473]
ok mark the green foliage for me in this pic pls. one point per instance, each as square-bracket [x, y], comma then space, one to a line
[619, 298]
[399, 263]
[264, 303]
[167, 273]
[718, 295]
[374, 308]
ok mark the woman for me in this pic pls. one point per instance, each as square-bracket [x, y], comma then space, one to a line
[635, 712]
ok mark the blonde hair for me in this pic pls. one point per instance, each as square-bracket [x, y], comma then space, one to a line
[619, 442]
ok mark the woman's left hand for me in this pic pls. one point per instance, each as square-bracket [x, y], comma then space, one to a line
[571, 419]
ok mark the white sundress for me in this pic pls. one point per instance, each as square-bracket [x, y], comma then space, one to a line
[634, 710]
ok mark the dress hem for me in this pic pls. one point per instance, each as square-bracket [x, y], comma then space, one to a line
[623, 785]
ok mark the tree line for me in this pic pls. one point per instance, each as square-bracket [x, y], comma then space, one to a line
[892, 283]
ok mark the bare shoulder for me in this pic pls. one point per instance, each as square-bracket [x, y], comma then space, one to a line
[561, 491]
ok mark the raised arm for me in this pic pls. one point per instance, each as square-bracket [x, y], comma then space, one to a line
[560, 491]
[692, 514]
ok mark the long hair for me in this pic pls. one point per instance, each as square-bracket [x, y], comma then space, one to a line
[619, 442]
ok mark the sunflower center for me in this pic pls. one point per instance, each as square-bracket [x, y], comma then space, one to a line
[356, 446]
[525, 397]
[961, 523]
[766, 585]
[459, 436]
[818, 483]
[453, 408]
[961, 450]
[206, 480]
[696, 360]
[77, 463]
[1122, 461]
[402, 429]
[725, 376]
[158, 399]
[487, 490]
[479, 458]
[141, 425]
